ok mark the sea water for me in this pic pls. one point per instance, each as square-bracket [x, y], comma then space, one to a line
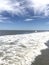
[22, 49]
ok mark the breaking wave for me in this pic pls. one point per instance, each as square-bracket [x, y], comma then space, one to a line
[22, 49]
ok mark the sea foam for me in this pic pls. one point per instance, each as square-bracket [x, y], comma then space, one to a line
[22, 49]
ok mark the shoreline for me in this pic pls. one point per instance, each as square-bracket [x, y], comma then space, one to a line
[42, 59]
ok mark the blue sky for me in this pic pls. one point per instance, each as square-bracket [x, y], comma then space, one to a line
[24, 14]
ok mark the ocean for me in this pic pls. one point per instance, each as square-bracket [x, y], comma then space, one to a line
[23, 47]
[14, 32]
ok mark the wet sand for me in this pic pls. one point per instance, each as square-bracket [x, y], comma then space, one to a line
[42, 59]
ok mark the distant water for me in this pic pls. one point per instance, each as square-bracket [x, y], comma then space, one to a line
[13, 32]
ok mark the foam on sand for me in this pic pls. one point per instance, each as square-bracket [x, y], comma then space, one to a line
[22, 49]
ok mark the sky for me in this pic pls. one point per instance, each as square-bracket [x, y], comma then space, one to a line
[24, 14]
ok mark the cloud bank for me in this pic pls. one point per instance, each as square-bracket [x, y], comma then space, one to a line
[25, 8]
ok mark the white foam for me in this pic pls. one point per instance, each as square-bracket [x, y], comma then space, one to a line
[22, 49]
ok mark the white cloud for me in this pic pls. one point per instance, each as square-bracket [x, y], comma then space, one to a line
[3, 19]
[40, 6]
[14, 8]
[29, 19]
[19, 8]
